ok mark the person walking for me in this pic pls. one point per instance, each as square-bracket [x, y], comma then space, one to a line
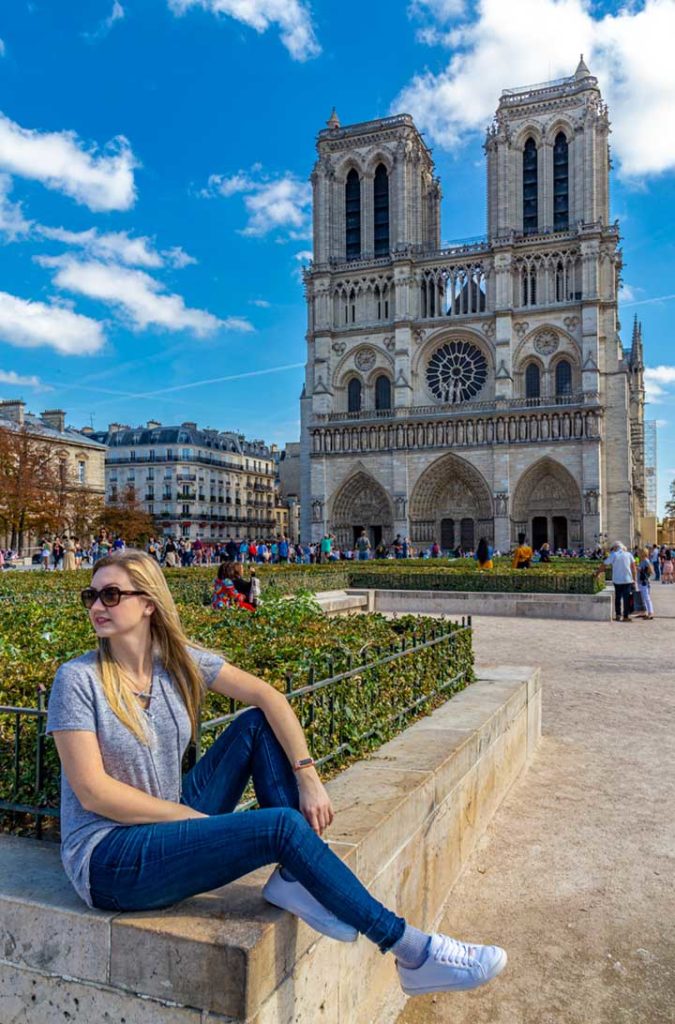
[136, 836]
[645, 571]
[656, 562]
[623, 577]
[667, 567]
[362, 547]
[522, 556]
[325, 548]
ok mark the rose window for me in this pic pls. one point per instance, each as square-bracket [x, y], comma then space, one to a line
[456, 372]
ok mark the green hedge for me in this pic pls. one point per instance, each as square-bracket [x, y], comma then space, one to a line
[287, 643]
[194, 585]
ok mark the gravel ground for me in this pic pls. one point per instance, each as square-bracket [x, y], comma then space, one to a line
[575, 874]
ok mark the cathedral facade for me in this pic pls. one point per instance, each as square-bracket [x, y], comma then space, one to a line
[480, 389]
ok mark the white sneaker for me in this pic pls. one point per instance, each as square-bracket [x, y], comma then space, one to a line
[294, 897]
[452, 966]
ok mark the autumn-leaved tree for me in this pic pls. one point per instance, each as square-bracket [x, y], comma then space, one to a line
[126, 518]
[29, 485]
[38, 496]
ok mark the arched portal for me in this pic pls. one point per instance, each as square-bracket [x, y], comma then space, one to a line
[361, 504]
[451, 496]
[547, 506]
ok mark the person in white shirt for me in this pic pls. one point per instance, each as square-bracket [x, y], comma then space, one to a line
[623, 578]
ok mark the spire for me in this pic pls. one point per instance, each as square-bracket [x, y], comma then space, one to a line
[333, 121]
[636, 350]
[582, 71]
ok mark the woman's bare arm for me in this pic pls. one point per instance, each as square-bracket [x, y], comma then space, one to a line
[98, 792]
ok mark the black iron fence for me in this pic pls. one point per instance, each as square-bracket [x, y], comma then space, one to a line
[344, 715]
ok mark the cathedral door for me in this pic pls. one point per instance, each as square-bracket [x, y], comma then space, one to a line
[447, 534]
[467, 535]
[539, 531]
[559, 532]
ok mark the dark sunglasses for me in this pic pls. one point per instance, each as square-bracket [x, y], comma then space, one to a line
[110, 596]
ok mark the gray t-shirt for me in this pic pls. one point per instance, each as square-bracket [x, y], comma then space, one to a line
[77, 701]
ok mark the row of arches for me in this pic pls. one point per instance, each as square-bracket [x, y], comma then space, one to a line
[380, 240]
[561, 187]
[452, 504]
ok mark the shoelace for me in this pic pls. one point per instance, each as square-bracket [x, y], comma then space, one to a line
[451, 951]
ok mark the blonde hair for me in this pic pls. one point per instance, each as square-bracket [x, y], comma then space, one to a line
[168, 640]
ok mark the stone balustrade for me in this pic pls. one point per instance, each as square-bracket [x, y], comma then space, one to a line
[457, 429]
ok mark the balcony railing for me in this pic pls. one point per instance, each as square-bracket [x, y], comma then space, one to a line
[492, 405]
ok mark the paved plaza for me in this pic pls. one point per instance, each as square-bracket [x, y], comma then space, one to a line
[574, 876]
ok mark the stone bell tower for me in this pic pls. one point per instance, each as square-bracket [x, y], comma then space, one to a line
[374, 191]
[548, 158]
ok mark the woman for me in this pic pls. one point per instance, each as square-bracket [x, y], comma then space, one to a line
[225, 591]
[69, 562]
[644, 573]
[484, 554]
[137, 837]
[667, 567]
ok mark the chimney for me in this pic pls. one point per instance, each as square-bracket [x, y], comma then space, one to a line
[114, 427]
[87, 430]
[55, 418]
[153, 424]
[12, 409]
[189, 425]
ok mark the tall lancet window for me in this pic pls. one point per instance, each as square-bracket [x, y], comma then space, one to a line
[353, 215]
[532, 381]
[561, 184]
[530, 185]
[354, 395]
[383, 393]
[381, 210]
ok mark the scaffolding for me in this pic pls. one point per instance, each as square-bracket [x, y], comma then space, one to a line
[650, 467]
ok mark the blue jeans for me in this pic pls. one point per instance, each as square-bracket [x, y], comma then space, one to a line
[143, 867]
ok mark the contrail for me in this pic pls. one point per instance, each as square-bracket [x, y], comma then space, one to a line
[219, 380]
[647, 302]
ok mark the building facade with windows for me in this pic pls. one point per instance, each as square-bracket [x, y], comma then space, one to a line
[78, 462]
[196, 483]
[477, 389]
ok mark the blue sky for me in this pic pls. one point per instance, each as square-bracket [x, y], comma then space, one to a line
[154, 203]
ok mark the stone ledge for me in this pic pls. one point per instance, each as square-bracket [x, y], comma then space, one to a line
[406, 821]
[593, 607]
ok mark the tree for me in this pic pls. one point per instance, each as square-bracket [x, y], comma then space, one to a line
[38, 495]
[29, 483]
[126, 518]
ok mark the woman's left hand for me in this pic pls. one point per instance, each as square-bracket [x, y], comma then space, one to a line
[315, 803]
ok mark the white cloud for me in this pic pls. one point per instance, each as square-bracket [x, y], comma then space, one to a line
[60, 161]
[2, 48]
[261, 303]
[541, 39]
[28, 324]
[136, 295]
[119, 246]
[627, 293]
[16, 380]
[13, 224]
[117, 14]
[657, 380]
[291, 16]
[304, 256]
[273, 205]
